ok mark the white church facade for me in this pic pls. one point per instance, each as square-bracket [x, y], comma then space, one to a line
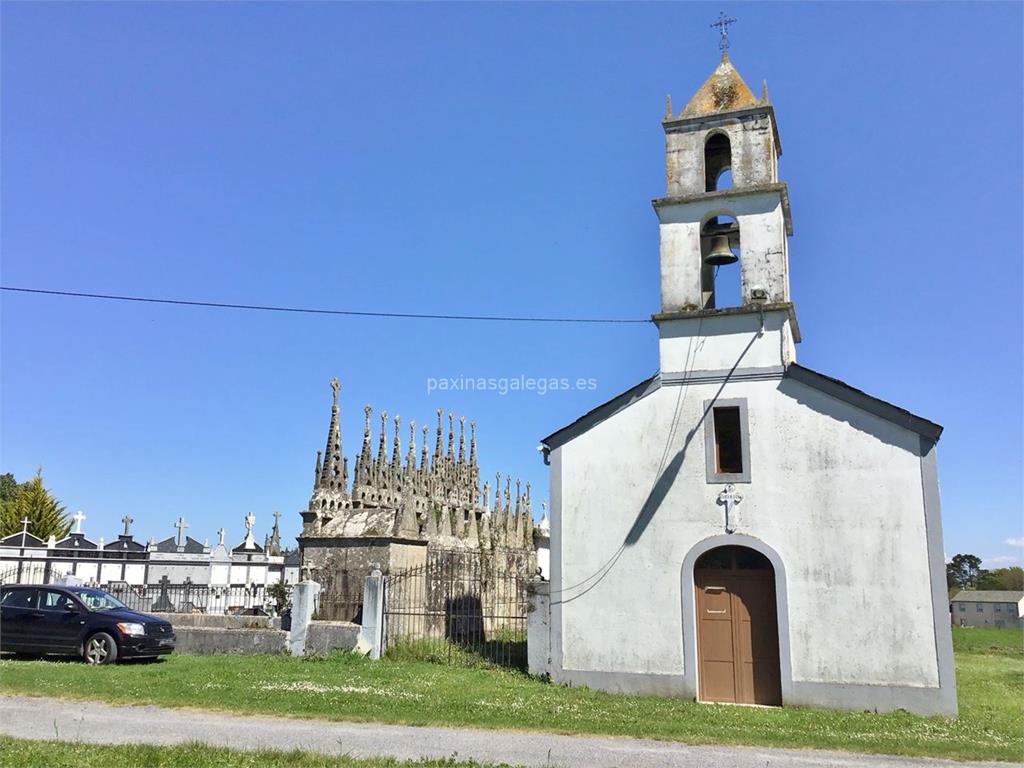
[739, 528]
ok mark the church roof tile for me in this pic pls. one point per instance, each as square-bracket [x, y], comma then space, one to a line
[989, 596]
[723, 91]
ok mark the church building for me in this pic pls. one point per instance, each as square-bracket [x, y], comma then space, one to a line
[741, 528]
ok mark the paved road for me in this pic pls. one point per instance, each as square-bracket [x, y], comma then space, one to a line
[67, 720]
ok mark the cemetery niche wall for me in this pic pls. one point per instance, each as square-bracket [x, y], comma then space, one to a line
[177, 573]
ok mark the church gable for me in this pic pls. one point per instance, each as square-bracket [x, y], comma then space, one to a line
[825, 384]
[865, 402]
[602, 412]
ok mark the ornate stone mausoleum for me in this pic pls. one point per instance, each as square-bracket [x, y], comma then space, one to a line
[397, 508]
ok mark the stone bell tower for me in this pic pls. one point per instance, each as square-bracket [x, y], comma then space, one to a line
[724, 131]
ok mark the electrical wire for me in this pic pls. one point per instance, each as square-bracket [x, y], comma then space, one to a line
[317, 311]
[605, 569]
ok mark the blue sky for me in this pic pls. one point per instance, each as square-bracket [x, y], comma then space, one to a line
[493, 159]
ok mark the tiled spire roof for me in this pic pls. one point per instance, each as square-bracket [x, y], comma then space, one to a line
[723, 91]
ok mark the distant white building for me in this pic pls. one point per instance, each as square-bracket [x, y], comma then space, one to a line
[988, 608]
[740, 528]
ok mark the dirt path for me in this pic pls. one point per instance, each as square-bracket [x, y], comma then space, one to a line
[95, 722]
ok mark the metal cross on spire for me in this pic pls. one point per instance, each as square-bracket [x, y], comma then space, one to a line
[722, 23]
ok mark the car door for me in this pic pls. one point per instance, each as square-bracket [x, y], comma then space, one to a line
[16, 605]
[61, 622]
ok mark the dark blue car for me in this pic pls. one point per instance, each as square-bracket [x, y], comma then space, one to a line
[79, 621]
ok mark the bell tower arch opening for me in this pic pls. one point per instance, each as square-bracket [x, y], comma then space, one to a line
[717, 162]
[737, 627]
[720, 252]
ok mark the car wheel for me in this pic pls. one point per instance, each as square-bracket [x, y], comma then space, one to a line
[100, 649]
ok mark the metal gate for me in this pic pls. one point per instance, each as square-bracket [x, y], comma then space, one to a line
[341, 596]
[458, 606]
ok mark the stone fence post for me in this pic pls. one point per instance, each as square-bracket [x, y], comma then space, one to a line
[372, 632]
[538, 628]
[304, 599]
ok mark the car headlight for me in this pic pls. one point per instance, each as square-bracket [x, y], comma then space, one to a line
[132, 629]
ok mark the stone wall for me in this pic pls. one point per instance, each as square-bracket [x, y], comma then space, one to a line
[326, 636]
[321, 637]
[212, 641]
[215, 621]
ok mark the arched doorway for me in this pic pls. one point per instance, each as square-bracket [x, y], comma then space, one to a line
[737, 627]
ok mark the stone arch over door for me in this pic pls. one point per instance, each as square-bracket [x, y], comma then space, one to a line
[691, 660]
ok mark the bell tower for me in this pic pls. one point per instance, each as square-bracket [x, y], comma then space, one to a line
[723, 134]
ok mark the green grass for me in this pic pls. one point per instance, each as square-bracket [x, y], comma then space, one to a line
[494, 655]
[346, 687]
[1001, 642]
[24, 753]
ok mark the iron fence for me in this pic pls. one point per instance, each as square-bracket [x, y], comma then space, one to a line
[459, 606]
[197, 598]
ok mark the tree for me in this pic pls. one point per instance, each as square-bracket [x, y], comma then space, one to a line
[279, 592]
[8, 519]
[9, 489]
[46, 516]
[1010, 579]
[964, 571]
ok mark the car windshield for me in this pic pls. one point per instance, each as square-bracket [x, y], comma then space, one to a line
[97, 600]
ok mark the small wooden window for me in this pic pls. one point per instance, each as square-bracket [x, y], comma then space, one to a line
[728, 441]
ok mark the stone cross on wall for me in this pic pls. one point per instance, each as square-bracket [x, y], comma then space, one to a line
[181, 525]
[127, 520]
[79, 518]
[729, 498]
[24, 528]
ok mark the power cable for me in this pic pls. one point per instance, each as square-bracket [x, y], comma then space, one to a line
[316, 311]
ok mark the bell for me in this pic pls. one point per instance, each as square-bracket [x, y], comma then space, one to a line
[720, 254]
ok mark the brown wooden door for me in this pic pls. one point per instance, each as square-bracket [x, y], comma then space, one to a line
[737, 635]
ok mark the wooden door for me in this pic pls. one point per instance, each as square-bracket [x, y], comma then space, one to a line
[737, 635]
